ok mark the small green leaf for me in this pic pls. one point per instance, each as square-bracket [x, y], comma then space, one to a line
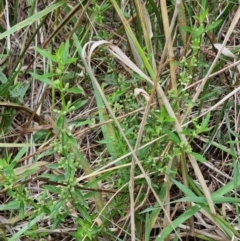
[172, 136]
[53, 166]
[233, 142]
[75, 90]
[187, 132]
[56, 207]
[205, 121]
[52, 189]
[44, 80]
[198, 32]
[3, 78]
[43, 76]
[46, 209]
[80, 198]
[203, 15]
[84, 213]
[30, 171]
[12, 205]
[213, 25]
[147, 210]
[21, 210]
[19, 90]
[78, 104]
[60, 121]
[46, 54]
[54, 178]
[68, 75]
[169, 119]
[182, 187]
[187, 29]
[72, 141]
[198, 157]
[130, 130]
[83, 123]
[65, 50]
[147, 228]
[69, 61]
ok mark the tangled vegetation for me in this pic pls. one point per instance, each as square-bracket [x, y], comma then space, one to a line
[119, 120]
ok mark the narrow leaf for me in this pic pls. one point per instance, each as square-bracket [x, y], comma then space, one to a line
[198, 157]
[31, 19]
[181, 219]
[46, 54]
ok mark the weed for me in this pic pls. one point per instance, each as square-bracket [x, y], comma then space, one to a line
[106, 134]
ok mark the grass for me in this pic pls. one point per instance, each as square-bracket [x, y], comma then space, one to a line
[119, 122]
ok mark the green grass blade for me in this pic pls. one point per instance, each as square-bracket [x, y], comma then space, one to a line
[31, 19]
[227, 188]
[26, 227]
[181, 219]
[203, 200]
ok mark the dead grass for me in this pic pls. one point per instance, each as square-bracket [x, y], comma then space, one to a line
[156, 168]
